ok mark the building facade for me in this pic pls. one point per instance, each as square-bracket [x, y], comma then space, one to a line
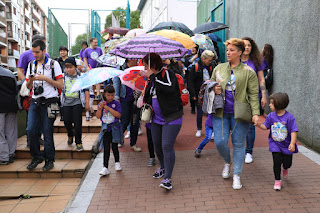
[152, 12]
[19, 21]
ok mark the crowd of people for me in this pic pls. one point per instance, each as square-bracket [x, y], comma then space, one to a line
[232, 95]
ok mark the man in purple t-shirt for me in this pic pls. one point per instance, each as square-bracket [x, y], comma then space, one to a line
[26, 57]
[89, 57]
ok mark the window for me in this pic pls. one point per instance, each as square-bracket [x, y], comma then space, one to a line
[14, 11]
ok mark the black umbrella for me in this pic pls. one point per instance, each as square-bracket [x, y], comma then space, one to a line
[210, 27]
[172, 25]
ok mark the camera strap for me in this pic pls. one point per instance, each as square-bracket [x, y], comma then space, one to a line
[36, 68]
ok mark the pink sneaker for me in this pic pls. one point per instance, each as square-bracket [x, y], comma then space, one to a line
[277, 185]
[285, 173]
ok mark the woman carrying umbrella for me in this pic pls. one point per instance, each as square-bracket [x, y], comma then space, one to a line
[163, 94]
[252, 57]
[239, 84]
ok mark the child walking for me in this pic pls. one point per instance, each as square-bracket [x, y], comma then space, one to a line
[109, 112]
[208, 137]
[282, 137]
[73, 103]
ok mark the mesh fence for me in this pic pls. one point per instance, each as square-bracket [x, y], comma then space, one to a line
[57, 36]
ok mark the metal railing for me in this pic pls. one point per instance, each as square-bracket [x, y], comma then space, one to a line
[3, 20]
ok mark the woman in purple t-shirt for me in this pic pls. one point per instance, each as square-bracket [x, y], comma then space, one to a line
[163, 94]
[252, 57]
[282, 137]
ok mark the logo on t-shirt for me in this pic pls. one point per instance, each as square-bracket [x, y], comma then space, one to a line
[107, 117]
[68, 85]
[94, 55]
[279, 131]
[47, 67]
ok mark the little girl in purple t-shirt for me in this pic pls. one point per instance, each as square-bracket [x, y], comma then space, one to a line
[282, 137]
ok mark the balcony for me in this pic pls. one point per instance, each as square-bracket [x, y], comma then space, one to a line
[13, 53]
[3, 23]
[3, 40]
[27, 28]
[28, 44]
[12, 62]
[4, 60]
[13, 37]
[2, 3]
[35, 14]
[36, 27]
[27, 13]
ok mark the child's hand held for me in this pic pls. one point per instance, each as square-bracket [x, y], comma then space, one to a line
[291, 148]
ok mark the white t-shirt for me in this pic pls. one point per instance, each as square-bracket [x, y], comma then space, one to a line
[48, 90]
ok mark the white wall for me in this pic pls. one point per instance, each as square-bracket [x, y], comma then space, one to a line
[156, 11]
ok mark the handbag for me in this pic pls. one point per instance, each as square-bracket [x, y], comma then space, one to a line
[242, 111]
[146, 113]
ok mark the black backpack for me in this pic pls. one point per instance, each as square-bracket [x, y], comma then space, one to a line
[268, 76]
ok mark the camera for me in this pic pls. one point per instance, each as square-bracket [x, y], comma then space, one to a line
[38, 90]
[53, 110]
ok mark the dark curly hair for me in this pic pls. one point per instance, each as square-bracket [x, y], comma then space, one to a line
[255, 54]
[267, 54]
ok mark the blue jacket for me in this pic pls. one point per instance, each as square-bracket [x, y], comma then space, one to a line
[117, 135]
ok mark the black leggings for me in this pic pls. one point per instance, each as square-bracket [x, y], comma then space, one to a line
[278, 160]
[107, 141]
[73, 115]
[150, 144]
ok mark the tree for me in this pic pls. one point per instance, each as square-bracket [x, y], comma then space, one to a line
[121, 16]
[75, 49]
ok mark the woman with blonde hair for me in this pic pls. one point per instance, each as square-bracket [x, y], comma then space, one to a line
[238, 84]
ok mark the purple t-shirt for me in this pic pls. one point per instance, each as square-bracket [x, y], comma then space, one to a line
[25, 59]
[81, 53]
[129, 95]
[281, 128]
[209, 121]
[251, 64]
[158, 117]
[91, 55]
[229, 100]
[106, 116]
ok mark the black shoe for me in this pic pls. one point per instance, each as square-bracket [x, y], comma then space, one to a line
[11, 158]
[61, 118]
[41, 142]
[70, 140]
[48, 165]
[34, 163]
[3, 162]
[79, 147]
[193, 111]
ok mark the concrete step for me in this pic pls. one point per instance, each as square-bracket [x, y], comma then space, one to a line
[67, 168]
[92, 126]
[63, 150]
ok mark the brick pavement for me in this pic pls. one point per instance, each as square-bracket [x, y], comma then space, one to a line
[199, 187]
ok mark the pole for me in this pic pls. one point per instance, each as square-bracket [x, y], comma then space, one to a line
[128, 16]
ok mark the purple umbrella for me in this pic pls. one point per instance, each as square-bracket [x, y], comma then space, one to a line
[138, 47]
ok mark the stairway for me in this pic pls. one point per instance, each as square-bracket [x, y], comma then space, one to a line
[69, 163]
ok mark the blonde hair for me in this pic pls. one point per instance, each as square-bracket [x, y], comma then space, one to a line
[236, 42]
[207, 54]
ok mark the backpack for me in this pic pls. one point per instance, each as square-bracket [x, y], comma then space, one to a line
[184, 93]
[268, 76]
[196, 67]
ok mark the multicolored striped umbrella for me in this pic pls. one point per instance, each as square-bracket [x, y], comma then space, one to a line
[138, 47]
[172, 25]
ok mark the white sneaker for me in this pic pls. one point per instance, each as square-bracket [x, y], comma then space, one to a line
[226, 171]
[212, 136]
[127, 135]
[248, 158]
[117, 166]
[236, 182]
[120, 145]
[198, 134]
[104, 171]
[140, 131]
[136, 148]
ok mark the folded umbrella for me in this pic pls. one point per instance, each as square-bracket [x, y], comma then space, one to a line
[138, 47]
[93, 77]
[210, 27]
[183, 38]
[172, 25]
[134, 77]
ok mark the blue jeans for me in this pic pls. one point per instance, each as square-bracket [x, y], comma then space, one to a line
[37, 118]
[207, 138]
[222, 129]
[251, 136]
[199, 117]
